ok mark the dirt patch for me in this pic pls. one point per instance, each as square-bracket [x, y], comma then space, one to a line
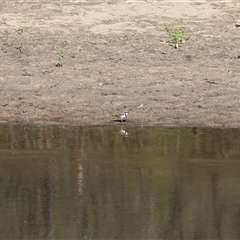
[117, 56]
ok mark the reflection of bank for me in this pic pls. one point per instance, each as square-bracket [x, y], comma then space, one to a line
[80, 177]
[166, 183]
[81, 158]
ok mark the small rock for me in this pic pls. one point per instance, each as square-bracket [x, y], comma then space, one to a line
[140, 106]
[59, 65]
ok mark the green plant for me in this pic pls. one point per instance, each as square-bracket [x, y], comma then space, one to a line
[6, 42]
[4, 46]
[4, 21]
[61, 53]
[177, 35]
[21, 31]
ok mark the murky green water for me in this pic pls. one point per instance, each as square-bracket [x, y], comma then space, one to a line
[97, 183]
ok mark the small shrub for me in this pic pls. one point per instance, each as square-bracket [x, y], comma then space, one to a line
[61, 53]
[177, 35]
[21, 31]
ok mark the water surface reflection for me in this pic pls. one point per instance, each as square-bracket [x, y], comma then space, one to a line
[97, 183]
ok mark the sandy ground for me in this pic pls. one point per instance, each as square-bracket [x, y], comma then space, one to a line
[117, 56]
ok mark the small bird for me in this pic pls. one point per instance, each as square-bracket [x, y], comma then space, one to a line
[122, 116]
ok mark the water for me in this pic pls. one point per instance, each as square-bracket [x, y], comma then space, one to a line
[61, 182]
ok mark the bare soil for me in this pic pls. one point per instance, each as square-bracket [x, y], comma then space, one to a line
[118, 57]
